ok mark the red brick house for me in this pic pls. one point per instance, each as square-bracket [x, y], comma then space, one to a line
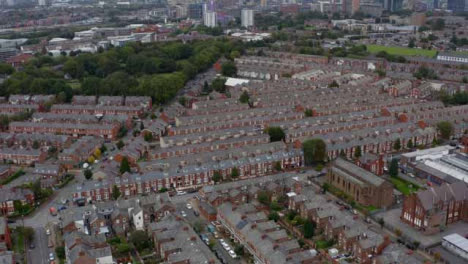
[5, 235]
[19, 60]
[9, 196]
[371, 162]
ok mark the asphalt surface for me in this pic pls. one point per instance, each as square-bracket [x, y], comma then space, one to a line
[40, 253]
[181, 205]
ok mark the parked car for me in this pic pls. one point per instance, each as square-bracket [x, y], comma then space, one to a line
[232, 253]
[51, 256]
[189, 206]
[47, 232]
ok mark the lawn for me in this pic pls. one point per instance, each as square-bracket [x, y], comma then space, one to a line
[402, 51]
[324, 244]
[403, 186]
[18, 241]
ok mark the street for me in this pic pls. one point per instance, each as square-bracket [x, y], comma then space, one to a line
[40, 253]
[219, 251]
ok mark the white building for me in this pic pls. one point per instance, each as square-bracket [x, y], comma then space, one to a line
[247, 18]
[456, 244]
[210, 19]
[42, 2]
[452, 57]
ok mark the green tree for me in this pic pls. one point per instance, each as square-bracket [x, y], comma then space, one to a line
[278, 166]
[182, 101]
[342, 154]
[35, 144]
[88, 174]
[333, 84]
[28, 233]
[120, 144]
[244, 98]
[315, 151]
[357, 152]
[37, 189]
[276, 134]
[308, 113]
[263, 197]
[393, 170]
[235, 173]
[115, 192]
[397, 144]
[218, 85]
[445, 129]
[325, 187]
[410, 144]
[309, 229]
[217, 177]
[273, 216]
[123, 248]
[411, 43]
[206, 88]
[229, 69]
[124, 165]
[6, 69]
[239, 250]
[103, 148]
[60, 252]
[381, 222]
[18, 205]
[198, 226]
[140, 240]
[148, 137]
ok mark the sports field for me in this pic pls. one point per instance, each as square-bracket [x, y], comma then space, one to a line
[402, 51]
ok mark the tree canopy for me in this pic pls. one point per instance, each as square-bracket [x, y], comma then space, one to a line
[393, 170]
[315, 151]
[158, 70]
[445, 129]
[276, 134]
[229, 69]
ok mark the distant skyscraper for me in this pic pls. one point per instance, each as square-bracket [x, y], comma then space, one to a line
[393, 5]
[457, 5]
[210, 19]
[195, 11]
[247, 18]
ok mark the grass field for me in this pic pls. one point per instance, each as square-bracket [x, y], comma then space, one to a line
[403, 186]
[402, 51]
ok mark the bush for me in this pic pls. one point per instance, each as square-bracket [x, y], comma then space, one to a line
[60, 252]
